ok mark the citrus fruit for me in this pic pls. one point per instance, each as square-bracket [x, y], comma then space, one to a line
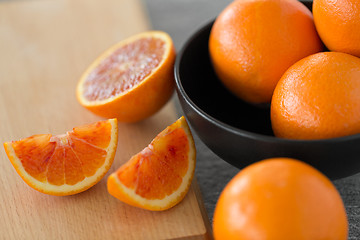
[65, 164]
[158, 177]
[132, 79]
[318, 98]
[338, 24]
[253, 42]
[280, 199]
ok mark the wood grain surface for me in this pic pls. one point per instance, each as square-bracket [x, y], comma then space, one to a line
[44, 47]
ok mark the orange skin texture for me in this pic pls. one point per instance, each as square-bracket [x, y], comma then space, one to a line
[253, 42]
[318, 98]
[338, 24]
[280, 199]
[145, 98]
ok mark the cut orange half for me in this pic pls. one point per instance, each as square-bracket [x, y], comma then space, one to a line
[65, 164]
[158, 177]
[131, 80]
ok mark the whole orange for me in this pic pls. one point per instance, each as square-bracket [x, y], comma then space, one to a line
[253, 42]
[280, 199]
[318, 97]
[338, 24]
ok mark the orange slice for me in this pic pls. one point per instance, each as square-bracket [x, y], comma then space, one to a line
[158, 177]
[65, 164]
[131, 80]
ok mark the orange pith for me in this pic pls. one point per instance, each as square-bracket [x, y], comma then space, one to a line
[159, 176]
[65, 164]
[124, 68]
[132, 79]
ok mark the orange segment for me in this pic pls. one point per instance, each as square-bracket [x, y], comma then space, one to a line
[158, 177]
[91, 157]
[65, 164]
[98, 134]
[34, 153]
[131, 80]
[55, 171]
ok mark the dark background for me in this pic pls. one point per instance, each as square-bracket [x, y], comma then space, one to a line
[181, 18]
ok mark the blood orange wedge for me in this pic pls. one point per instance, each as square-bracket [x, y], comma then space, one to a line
[65, 164]
[131, 80]
[158, 177]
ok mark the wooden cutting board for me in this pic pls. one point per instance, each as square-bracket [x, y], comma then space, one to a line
[44, 48]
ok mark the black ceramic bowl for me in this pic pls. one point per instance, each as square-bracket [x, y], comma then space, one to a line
[241, 133]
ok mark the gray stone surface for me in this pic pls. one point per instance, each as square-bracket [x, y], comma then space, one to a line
[181, 18]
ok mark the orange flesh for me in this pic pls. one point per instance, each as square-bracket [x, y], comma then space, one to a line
[157, 171]
[65, 159]
[124, 69]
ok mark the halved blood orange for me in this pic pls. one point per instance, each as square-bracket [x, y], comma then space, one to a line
[131, 80]
[158, 177]
[65, 164]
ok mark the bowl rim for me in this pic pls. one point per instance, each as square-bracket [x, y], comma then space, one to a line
[227, 127]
